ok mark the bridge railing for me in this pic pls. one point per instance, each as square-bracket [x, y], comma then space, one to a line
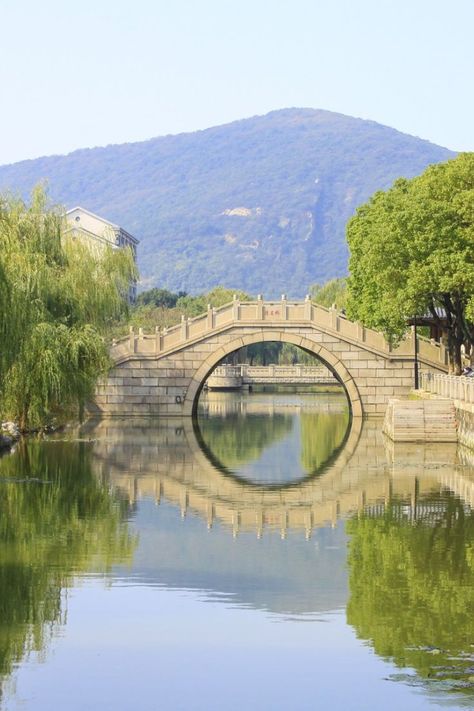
[276, 313]
[285, 371]
[272, 371]
[454, 387]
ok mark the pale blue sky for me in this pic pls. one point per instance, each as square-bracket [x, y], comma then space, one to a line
[93, 72]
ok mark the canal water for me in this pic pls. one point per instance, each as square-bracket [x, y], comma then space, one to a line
[271, 555]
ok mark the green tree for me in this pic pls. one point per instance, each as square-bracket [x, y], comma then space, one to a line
[57, 296]
[332, 292]
[159, 297]
[220, 295]
[412, 252]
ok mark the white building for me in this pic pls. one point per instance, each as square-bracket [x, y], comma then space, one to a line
[101, 232]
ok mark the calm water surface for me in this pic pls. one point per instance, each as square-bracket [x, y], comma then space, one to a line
[269, 556]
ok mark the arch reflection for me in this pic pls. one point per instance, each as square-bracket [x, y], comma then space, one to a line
[272, 439]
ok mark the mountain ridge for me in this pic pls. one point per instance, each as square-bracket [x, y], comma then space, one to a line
[258, 204]
[287, 110]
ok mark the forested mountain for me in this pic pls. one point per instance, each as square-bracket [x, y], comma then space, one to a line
[258, 204]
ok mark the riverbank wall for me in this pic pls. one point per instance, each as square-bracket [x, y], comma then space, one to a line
[464, 413]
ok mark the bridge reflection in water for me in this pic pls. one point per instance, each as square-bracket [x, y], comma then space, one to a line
[400, 571]
[365, 472]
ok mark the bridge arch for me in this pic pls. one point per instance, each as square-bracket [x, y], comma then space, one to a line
[334, 364]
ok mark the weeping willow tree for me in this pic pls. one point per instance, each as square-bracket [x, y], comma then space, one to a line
[57, 296]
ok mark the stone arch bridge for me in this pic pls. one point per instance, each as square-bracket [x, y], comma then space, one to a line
[162, 373]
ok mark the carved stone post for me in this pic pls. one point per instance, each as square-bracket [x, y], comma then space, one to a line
[210, 325]
[133, 341]
[235, 308]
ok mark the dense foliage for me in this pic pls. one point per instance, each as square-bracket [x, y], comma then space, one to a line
[260, 204]
[412, 589]
[412, 253]
[159, 298]
[56, 297]
[333, 292]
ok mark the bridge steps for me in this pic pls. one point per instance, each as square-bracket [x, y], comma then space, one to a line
[421, 421]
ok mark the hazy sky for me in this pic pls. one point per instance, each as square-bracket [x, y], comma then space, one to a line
[93, 72]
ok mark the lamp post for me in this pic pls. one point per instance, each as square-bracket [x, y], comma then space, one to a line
[415, 338]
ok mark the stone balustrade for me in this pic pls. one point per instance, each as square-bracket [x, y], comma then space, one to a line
[271, 313]
[251, 374]
[454, 387]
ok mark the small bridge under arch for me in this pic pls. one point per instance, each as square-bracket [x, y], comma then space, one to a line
[163, 373]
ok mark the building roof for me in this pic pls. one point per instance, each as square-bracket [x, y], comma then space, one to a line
[102, 219]
[427, 318]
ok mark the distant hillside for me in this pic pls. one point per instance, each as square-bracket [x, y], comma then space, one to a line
[258, 204]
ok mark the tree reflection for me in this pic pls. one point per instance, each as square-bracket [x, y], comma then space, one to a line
[238, 439]
[57, 520]
[322, 433]
[412, 590]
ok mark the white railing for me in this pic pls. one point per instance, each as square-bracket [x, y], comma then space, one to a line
[260, 373]
[280, 314]
[455, 387]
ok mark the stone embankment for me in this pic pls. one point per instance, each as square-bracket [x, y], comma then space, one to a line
[442, 410]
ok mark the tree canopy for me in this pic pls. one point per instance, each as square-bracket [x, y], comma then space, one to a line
[159, 297]
[412, 252]
[332, 292]
[56, 298]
